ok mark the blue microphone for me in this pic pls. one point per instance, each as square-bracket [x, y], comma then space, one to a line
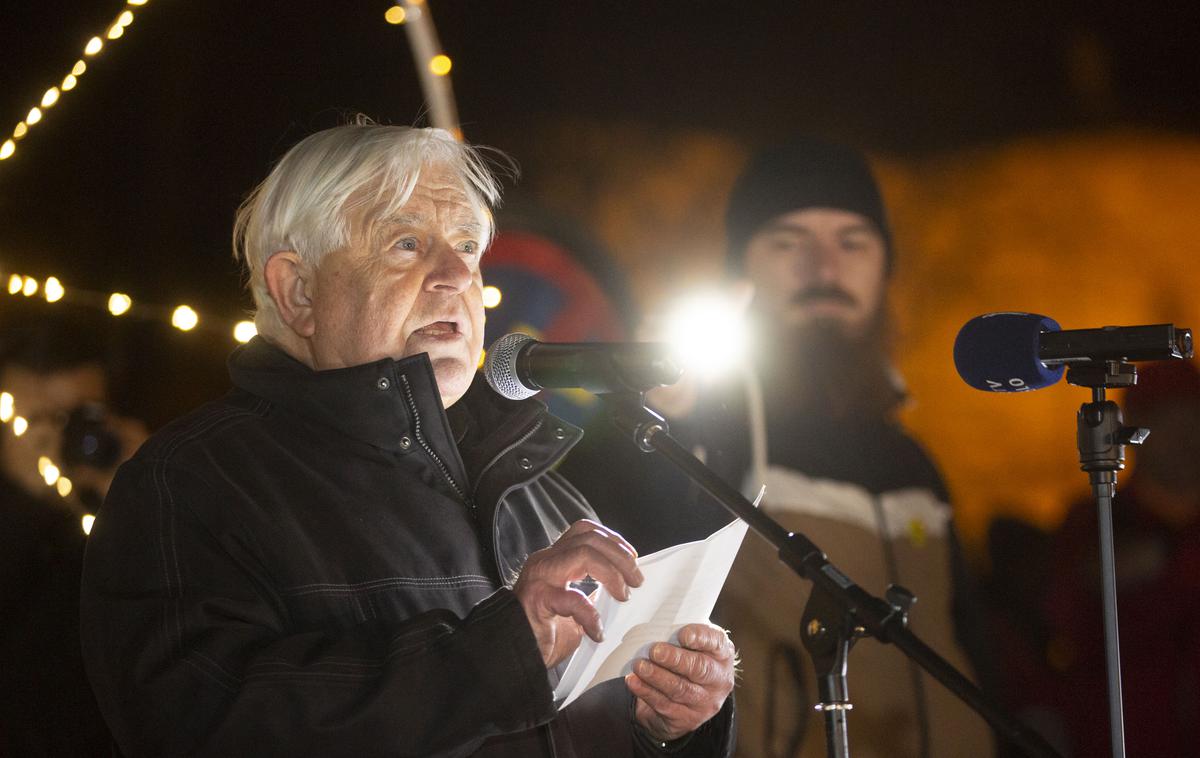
[998, 352]
[1018, 352]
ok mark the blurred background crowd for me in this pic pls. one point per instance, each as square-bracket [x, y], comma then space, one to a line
[1033, 157]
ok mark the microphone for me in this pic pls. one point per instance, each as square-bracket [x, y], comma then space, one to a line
[518, 366]
[1019, 352]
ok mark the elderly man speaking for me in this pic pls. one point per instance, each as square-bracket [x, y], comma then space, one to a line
[361, 549]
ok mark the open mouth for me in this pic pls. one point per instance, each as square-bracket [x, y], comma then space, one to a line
[439, 329]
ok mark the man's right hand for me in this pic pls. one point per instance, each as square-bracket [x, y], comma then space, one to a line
[560, 614]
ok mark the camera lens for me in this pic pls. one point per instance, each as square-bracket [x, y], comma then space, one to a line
[88, 440]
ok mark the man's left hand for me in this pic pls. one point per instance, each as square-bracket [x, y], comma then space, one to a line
[681, 686]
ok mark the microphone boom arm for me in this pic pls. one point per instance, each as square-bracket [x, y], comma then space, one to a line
[868, 614]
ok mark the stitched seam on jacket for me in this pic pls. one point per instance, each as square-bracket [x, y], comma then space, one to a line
[208, 675]
[374, 587]
[208, 422]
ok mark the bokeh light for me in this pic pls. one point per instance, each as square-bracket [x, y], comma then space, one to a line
[53, 290]
[119, 303]
[440, 65]
[395, 15]
[184, 318]
[492, 296]
[244, 331]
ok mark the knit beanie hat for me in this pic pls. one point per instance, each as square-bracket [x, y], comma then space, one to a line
[804, 173]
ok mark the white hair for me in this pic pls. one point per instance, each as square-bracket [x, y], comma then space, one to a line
[305, 204]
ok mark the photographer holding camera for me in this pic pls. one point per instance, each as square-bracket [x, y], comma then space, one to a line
[56, 375]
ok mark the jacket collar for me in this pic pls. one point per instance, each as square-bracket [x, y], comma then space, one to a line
[368, 403]
[371, 402]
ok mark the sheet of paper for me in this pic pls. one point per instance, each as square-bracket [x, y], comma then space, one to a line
[680, 588]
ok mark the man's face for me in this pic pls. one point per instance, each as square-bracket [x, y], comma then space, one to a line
[818, 264]
[407, 284]
[44, 400]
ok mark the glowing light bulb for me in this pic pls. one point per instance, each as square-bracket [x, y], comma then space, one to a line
[68, 83]
[50, 98]
[440, 65]
[20, 130]
[15, 283]
[184, 318]
[78, 68]
[137, 2]
[30, 287]
[53, 290]
[492, 296]
[115, 31]
[6, 407]
[43, 464]
[50, 474]
[88, 520]
[64, 488]
[119, 303]
[19, 425]
[7, 149]
[708, 333]
[395, 15]
[125, 19]
[244, 331]
[35, 115]
[94, 45]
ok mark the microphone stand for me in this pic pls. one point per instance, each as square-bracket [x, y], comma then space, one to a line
[838, 611]
[1101, 438]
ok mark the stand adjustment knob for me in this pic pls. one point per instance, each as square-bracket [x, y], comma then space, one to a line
[900, 598]
[1132, 435]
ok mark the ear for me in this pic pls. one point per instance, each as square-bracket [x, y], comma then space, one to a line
[289, 280]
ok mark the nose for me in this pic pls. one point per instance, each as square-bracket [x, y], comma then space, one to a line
[819, 263]
[449, 272]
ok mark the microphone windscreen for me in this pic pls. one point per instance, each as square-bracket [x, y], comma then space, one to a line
[998, 352]
[500, 366]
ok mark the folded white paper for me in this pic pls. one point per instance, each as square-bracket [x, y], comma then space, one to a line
[680, 588]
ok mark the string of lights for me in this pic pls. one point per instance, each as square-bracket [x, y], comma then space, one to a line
[183, 317]
[94, 47]
[433, 67]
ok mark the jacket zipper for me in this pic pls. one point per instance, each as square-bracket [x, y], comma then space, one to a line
[412, 406]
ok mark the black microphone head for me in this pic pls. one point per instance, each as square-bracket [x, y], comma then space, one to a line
[998, 352]
[500, 366]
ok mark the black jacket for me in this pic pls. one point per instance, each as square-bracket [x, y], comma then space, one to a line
[318, 564]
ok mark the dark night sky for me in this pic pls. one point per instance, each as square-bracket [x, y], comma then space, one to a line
[131, 181]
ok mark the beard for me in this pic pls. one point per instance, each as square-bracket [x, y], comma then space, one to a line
[825, 368]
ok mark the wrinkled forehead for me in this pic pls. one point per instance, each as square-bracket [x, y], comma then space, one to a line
[436, 195]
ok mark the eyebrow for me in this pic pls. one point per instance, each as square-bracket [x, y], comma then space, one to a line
[413, 219]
